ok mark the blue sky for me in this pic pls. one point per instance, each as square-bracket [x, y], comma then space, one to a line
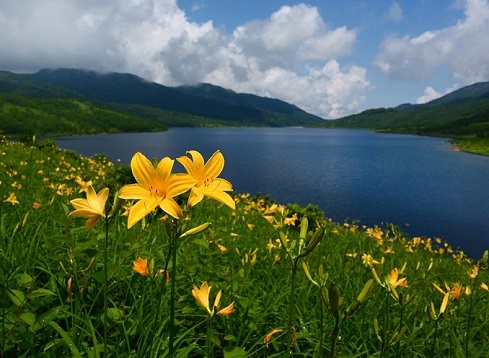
[330, 58]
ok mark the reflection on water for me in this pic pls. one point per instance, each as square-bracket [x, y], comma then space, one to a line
[418, 183]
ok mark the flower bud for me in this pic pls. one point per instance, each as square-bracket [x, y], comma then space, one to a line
[196, 230]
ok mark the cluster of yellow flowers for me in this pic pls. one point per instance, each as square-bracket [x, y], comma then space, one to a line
[157, 187]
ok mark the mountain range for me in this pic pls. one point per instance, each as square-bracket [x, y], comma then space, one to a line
[73, 101]
[134, 97]
[461, 113]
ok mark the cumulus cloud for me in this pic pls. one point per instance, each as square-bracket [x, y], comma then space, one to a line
[430, 94]
[459, 47]
[293, 55]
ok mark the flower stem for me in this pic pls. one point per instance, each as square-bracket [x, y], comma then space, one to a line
[334, 337]
[105, 283]
[208, 338]
[434, 339]
[321, 325]
[173, 249]
[290, 322]
[400, 327]
[467, 329]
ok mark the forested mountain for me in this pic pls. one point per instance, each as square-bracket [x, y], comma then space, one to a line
[202, 100]
[464, 112]
[77, 101]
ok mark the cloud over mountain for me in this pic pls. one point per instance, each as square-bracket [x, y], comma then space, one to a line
[292, 55]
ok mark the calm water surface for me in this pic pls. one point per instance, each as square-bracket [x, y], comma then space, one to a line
[418, 183]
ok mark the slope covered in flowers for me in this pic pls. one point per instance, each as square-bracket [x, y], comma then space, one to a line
[359, 291]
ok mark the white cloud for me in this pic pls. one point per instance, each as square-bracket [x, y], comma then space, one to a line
[293, 55]
[395, 12]
[430, 94]
[462, 48]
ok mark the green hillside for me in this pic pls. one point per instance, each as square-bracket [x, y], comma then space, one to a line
[198, 103]
[21, 115]
[462, 113]
[67, 101]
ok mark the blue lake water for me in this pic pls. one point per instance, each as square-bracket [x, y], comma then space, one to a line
[418, 183]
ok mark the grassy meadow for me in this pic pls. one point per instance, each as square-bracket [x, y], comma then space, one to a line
[288, 281]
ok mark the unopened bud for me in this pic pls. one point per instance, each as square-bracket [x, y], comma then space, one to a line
[196, 230]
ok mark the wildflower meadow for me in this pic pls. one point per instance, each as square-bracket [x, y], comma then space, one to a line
[161, 258]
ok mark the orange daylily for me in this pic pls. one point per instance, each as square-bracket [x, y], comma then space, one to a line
[141, 266]
[208, 184]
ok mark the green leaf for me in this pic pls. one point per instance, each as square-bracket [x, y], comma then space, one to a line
[66, 339]
[40, 292]
[25, 280]
[115, 314]
[234, 352]
[17, 297]
[44, 319]
[29, 318]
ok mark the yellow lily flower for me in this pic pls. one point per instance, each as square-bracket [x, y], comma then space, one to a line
[202, 297]
[395, 281]
[208, 184]
[93, 207]
[155, 187]
[11, 199]
[141, 266]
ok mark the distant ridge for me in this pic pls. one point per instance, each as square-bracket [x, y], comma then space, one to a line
[464, 112]
[204, 100]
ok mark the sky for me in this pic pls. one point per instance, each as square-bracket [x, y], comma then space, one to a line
[330, 58]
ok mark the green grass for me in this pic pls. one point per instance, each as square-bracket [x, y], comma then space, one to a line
[478, 146]
[52, 274]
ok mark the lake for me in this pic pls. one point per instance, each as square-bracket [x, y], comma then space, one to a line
[417, 183]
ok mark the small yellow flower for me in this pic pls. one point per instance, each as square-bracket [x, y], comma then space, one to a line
[11, 199]
[456, 290]
[484, 287]
[474, 273]
[202, 297]
[141, 266]
[208, 184]
[394, 280]
[36, 205]
[93, 207]
[368, 260]
[226, 311]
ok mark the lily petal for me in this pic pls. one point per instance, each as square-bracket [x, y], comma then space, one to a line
[170, 206]
[143, 170]
[133, 191]
[142, 208]
[214, 165]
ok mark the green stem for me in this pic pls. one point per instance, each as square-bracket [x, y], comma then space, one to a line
[400, 327]
[467, 329]
[173, 248]
[334, 337]
[105, 282]
[290, 322]
[321, 324]
[385, 331]
[208, 338]
[434, 339]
